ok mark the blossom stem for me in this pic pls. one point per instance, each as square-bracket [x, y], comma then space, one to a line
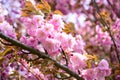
[65, 57]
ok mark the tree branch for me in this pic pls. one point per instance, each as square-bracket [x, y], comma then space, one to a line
[39, 54]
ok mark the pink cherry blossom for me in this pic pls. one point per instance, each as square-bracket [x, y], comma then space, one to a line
[103, 37]
[103, 69]
[77, 61]
[57, 22]
[79, 46]
[67, 41]
[89, 74]
[51, 45]
[41, 35]
[7, 29]
[29, 41]
[44, 32]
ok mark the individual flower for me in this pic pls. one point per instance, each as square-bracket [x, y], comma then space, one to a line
[48, 28]
[7, 29]
[29, 25]
[79, 46]
[103, 37]
[70, 42]
[37, 20]
[57, 22]
[31, 41]
[89, 74]
[32, 23]
[41, 35]
[67, 41]
[77, 61]
[51, 45]
[102, 70]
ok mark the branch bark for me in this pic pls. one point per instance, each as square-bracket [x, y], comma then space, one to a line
[39, 54]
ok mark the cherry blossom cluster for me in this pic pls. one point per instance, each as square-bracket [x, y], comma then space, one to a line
[46, 33]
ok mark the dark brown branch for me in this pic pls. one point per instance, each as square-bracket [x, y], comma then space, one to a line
[39, 54]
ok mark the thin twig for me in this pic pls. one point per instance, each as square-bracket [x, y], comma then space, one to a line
[38, 78]
[63, 52]
[108, 29]
[110, 4]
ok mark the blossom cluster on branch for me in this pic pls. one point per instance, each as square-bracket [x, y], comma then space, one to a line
[59, 40]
